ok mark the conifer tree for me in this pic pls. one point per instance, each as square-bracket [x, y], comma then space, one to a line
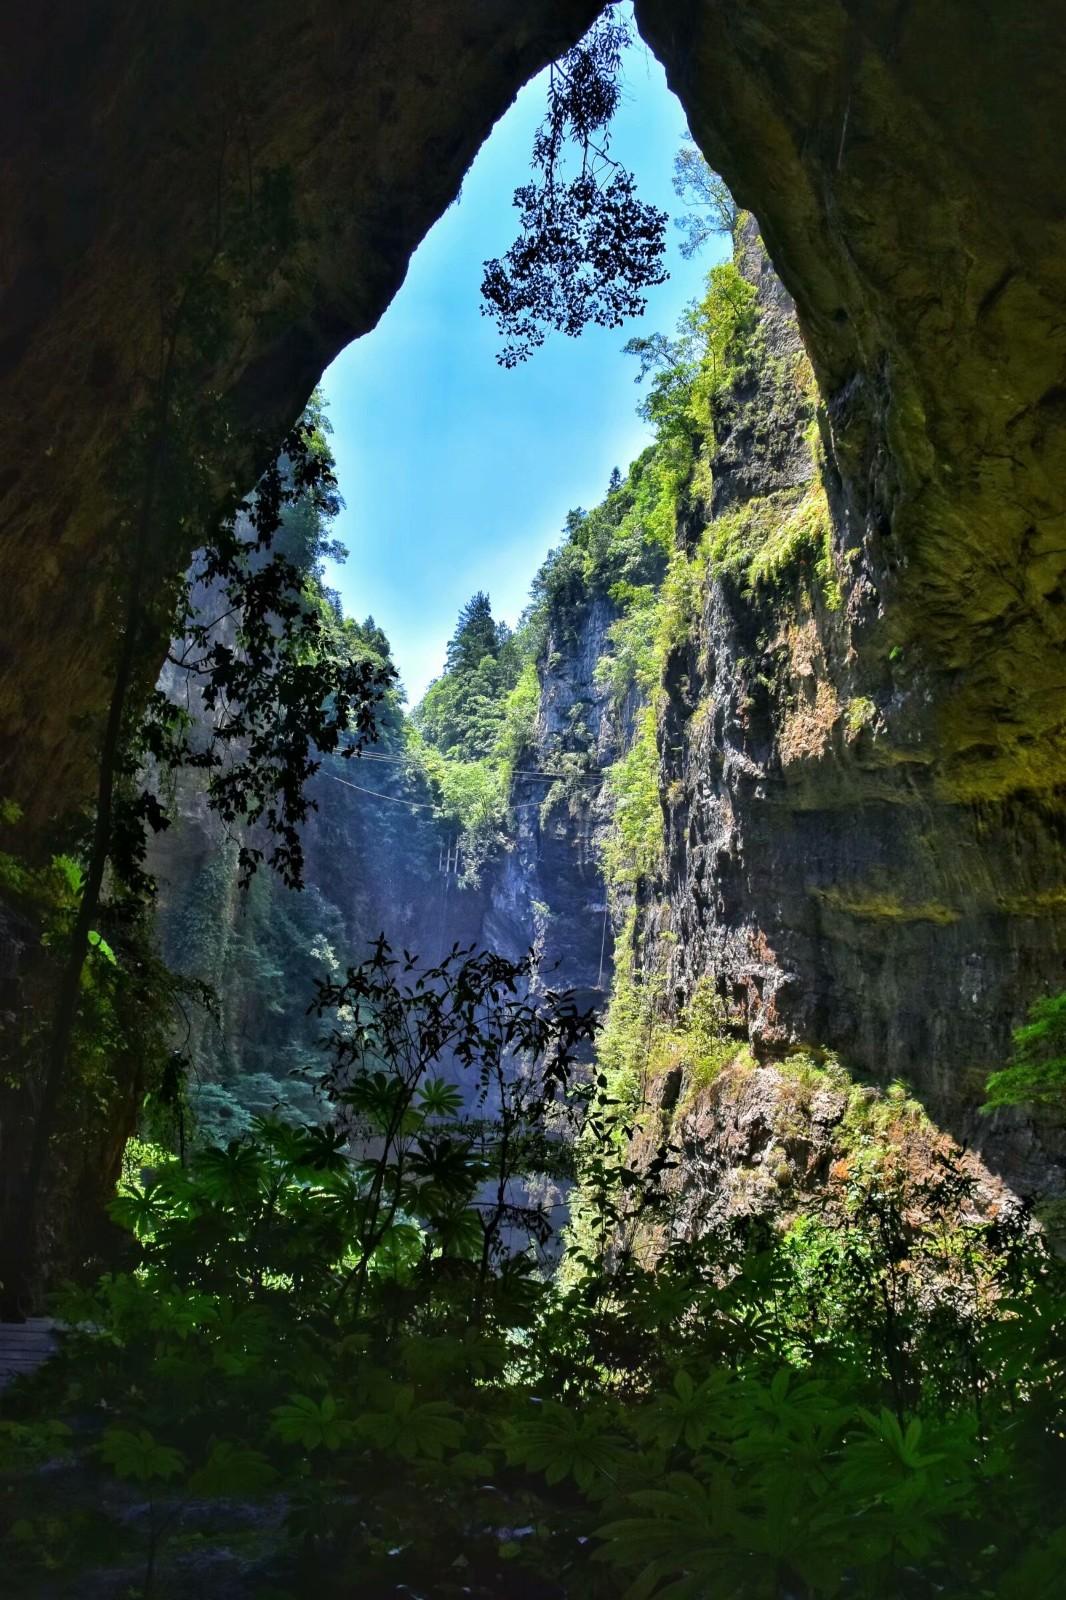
[475, 636]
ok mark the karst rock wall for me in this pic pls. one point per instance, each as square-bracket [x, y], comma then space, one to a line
[815, 868]
[902, 161]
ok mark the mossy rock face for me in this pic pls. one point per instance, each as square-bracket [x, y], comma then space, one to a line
[903, 168]
[902, 165]
[782, 1139]
[819, 863]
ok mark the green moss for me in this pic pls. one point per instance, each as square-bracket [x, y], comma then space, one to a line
[641, 1043]
[707, 1066]
[630, 1021]
[872, 1112]
[631, 659]
[702, 715]
[764, 539]
[883, 905]
[1037, 903]
[635, 843]
[858, 714]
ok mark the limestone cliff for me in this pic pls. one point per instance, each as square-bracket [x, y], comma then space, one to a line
[380, 859]
[814, 868]
[901, 159]
[138, 141]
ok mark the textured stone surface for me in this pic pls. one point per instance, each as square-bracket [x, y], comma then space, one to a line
[816, 869]
[902, 162]
[775, 1141]
[373, 866]
[551, 884]
[121, 125]
[890, 882]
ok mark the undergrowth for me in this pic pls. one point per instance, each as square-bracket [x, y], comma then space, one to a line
[347, 1324]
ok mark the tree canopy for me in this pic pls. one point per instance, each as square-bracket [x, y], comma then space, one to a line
[710, 208]
[475, 635]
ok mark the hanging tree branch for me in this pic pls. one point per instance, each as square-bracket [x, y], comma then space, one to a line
[281, 692]
[587, 247]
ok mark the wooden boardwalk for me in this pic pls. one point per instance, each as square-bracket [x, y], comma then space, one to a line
[25, 1346]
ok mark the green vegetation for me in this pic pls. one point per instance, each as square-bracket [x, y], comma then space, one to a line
[120, 1043]
[473, 725]
[1036, 1074]
[258, 950]
[710, 208]
[462, 712]
[860, 712]
[631, 552]
[476, 722]
[634, 847]
[762, 539]
[277, 687]
[286, 683]
[641, 1041]
[250, 1050]
[338, 1304]
[347, 1323]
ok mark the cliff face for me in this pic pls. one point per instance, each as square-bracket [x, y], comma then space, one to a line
[815, 867]
[379, 860]
[549, 889]
[372, 853]
[900, 161]
[812, 870]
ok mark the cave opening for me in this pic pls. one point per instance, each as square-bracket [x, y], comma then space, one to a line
[533, 1057]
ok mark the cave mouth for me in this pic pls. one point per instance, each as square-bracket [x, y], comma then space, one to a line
[660, 1190]
[458, 476]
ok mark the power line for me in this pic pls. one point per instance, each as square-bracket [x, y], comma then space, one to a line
[397, 800]
[517, 772]
[416, 805]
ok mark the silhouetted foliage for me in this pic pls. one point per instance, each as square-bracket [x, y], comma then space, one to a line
[587, 247]
[284, 687]
[355, 1317]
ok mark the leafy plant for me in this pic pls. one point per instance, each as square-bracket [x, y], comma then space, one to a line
[710, 208]
[1036, 1074]
[350, 1314]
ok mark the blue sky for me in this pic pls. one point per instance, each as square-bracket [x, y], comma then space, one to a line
[457, 473]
